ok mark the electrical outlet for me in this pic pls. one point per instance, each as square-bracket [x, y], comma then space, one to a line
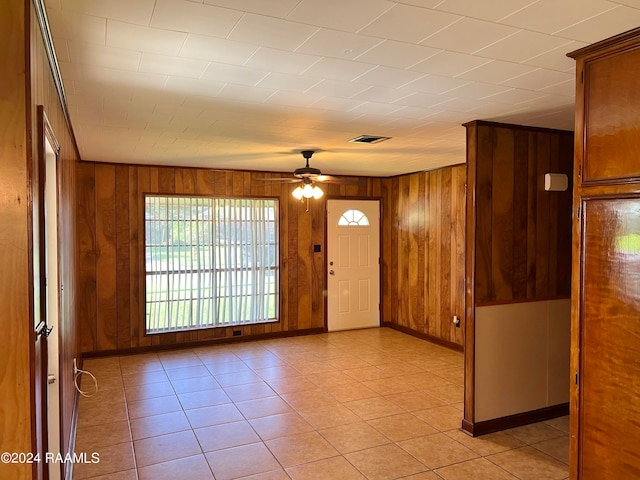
[75, 366]
[456, 321]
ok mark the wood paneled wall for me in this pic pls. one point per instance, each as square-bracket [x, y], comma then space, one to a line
[43, 92]
[518, 236]
[26, 82]
[15, 378]
[522, 232]
[423, 259]
[422, 250]
[110, 245]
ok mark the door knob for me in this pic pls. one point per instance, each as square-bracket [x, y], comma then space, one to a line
[331, 272]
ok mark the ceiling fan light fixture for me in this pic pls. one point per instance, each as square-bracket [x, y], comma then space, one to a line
[307, 191]
[297, 193]
[317, 192]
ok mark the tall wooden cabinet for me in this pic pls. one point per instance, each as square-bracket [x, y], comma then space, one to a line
[605, 350]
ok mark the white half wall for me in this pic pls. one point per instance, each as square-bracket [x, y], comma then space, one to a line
[522, 357]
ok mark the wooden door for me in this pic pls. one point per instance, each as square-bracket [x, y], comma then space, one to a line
[605, 401]
[612, 93]
[353, 253]
[609, 411]
[44, 298]
[40, 367]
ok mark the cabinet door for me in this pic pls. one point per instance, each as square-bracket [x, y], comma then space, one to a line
[612, 121]
[609, 412]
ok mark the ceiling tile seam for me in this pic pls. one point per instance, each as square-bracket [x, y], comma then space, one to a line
[555, 84]
[400, 107]
[253, 54]
[518, 88]
[618, 6]
[519, 76]
[435, 7]
[205, 69]
[440, 30]
[266, 100]
[235, 25]
[502, 39]
[304, 72]
[423, 76]
[444, 102]
[391, 6]
[319, 29]
[184, 42]
[153, 10]
[293, 10]
[370, 48]
[439, 51]
[105, 30]
[568, 42]
[501, 20]
[488, 97]
[489, 61]
[315, 84]
[407, 96]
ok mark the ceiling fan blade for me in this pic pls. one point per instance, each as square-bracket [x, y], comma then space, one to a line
[332, 179]
[281, 180]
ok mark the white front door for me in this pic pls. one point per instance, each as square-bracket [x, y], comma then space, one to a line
[353, 263]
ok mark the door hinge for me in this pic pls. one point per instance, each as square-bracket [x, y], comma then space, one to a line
[579, 171]
[576, 378]
[578, 213]
[582, 76]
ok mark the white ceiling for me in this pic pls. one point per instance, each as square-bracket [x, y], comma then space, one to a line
[247, 84]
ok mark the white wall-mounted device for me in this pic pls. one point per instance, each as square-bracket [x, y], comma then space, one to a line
[555, 182]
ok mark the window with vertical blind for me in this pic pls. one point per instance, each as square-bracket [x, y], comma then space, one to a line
[210, 262]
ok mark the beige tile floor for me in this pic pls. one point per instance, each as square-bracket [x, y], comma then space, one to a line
[367, 404]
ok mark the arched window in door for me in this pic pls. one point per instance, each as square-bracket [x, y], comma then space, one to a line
[353, 218]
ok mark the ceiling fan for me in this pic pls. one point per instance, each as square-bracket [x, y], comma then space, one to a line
[306, 175]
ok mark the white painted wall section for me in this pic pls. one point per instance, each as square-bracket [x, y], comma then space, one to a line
[522, 357]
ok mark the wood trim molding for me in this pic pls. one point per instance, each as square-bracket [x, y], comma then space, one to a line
[204, 343]
[628, 36]
[55, 69]
[523, 300]
[476, 429]
[486, 123]
[424, 336]
[68, 473]
[470, 275]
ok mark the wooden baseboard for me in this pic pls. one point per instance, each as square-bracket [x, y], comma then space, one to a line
[424, 336]
[503, 423]
[202, 343]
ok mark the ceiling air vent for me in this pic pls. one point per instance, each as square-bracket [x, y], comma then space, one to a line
[369, 139]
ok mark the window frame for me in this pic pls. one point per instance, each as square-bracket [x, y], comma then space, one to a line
[351, 223]
[143, 262]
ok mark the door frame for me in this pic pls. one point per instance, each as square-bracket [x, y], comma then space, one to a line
[38, 303]
[325, 277]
